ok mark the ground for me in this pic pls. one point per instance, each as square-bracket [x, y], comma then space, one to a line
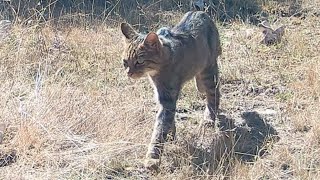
[70, 112]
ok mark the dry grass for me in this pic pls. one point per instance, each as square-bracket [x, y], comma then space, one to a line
[70, 111]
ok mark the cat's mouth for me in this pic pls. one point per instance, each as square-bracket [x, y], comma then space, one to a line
[139, 74]
[135, 75]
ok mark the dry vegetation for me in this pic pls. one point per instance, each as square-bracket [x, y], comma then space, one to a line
[70, 112]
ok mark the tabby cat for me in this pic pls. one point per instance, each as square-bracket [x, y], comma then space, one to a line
[170, 57]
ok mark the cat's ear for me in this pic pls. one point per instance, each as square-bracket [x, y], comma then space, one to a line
[265, 27]
[128, 31]
[280, 31]
[152, 41]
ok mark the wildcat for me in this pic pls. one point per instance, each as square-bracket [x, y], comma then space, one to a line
[170, 57]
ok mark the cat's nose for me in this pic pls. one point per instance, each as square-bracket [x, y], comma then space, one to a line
[130, 74]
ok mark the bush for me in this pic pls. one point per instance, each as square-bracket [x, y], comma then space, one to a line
[134, 11]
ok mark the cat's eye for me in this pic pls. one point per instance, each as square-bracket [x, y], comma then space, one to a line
[140, 62]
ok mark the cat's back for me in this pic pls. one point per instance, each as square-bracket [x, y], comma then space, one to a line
[199, 29]
[193, 22]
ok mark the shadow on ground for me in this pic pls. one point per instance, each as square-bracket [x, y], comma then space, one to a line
[213, 150]
[252, 135]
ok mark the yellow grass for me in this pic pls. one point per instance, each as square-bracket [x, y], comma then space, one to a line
[70, 111]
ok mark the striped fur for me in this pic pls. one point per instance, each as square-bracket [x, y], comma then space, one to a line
[171, 57]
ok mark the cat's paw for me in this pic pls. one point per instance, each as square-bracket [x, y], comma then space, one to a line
[208, 124]
[152, 164]
[171, 136]
[152, 161]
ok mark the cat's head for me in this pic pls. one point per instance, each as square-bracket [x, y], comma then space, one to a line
[142, 54]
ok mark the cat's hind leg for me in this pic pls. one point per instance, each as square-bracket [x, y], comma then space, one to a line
[208, 82]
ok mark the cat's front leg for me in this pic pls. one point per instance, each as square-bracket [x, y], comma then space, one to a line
[163, 125]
